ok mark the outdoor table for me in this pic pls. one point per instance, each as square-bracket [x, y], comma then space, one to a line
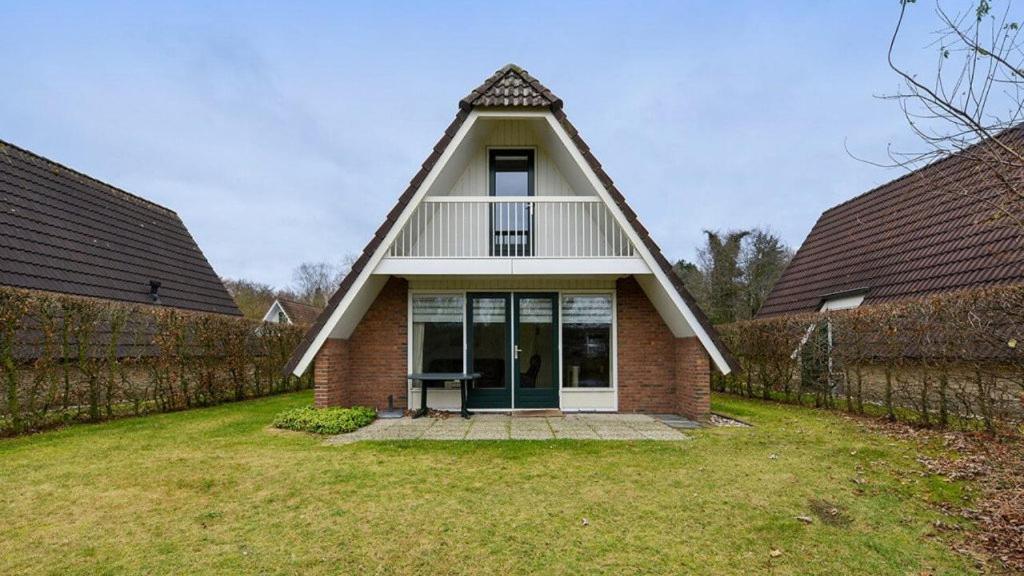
[425, 377]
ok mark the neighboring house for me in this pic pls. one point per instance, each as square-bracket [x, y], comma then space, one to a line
[513, 254]
[62, 231]
[928, 232]
[290, 312]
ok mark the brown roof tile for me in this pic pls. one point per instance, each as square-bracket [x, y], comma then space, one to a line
[511, 86]
[62, 231]
[929, 231]
[299, 313]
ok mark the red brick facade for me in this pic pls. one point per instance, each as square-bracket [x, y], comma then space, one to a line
[693, 378]
[646, 350]
[371, 365]
[657, 372]
[330, 369]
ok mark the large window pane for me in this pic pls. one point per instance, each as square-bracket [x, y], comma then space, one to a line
[536, 354]
[437, 334]
[490, 344]
[586, 341]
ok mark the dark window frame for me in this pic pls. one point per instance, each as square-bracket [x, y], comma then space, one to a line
[531, 168]
[531, 190]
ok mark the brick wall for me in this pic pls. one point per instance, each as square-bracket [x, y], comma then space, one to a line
[658, 373]
[693, 378]
[371, 364]
[646, 349]
[329, 370]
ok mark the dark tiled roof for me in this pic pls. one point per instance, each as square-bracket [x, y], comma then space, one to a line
[927, 232]
[62, 231]
[484, 94]
[299, 313]
[511, 86]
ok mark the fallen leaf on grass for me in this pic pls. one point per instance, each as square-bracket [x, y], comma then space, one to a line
[775, 553]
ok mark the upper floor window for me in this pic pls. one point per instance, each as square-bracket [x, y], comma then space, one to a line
[511, 222]
[511, 172]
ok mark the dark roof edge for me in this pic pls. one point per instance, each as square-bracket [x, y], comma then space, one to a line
[428, 164]
[296, 302]
[111, 187]
[917, 171]
[378, 237]
[648, 241]
[147, 305]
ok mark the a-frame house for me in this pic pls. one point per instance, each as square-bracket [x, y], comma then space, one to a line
[512, 254]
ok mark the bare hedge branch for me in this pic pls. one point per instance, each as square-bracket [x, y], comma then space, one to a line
[951, 360]
[68, 359]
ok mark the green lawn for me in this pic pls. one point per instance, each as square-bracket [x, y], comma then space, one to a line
[215, 491]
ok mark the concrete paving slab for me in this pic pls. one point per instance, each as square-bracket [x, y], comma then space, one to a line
[504, 427]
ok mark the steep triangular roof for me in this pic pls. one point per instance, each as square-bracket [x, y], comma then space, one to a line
[63, 231]
[512, 86]
[930, 231]
[297, 312]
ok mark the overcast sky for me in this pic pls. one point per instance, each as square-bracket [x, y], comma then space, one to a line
[284, 134]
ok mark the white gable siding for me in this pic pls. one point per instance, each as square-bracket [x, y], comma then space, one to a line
[468, 142]
[511, 134]
[560, 230]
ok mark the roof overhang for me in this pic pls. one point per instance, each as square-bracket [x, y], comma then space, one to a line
[365, 280]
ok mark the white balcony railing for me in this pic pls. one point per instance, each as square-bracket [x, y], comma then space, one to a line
[511, 227]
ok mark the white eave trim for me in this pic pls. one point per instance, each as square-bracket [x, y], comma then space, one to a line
[382, 248]
[529, 266]
[276, 306]
[641, 248]
[396, 227]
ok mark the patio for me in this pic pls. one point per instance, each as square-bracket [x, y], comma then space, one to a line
[515, 427]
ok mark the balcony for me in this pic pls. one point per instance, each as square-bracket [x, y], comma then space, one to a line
[512, 235]
[512, 227]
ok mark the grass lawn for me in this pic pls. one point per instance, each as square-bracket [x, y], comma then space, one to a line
[215, 491]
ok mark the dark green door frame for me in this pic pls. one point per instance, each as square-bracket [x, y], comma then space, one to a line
[503, 398]
[479, 396]
[537, 397]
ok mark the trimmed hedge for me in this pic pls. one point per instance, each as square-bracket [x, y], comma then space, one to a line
[325, 420]
[66, 359]
[954, 359]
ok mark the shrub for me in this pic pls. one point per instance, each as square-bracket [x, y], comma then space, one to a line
[66, 359]
[325, 420]
[950, 359]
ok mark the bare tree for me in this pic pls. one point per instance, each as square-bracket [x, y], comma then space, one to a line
[969, 105]
[315, 282]
[253, 298]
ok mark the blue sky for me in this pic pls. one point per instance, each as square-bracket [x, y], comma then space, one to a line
[283, 134]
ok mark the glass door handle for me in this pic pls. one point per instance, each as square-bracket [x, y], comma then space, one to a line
[517, 351]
